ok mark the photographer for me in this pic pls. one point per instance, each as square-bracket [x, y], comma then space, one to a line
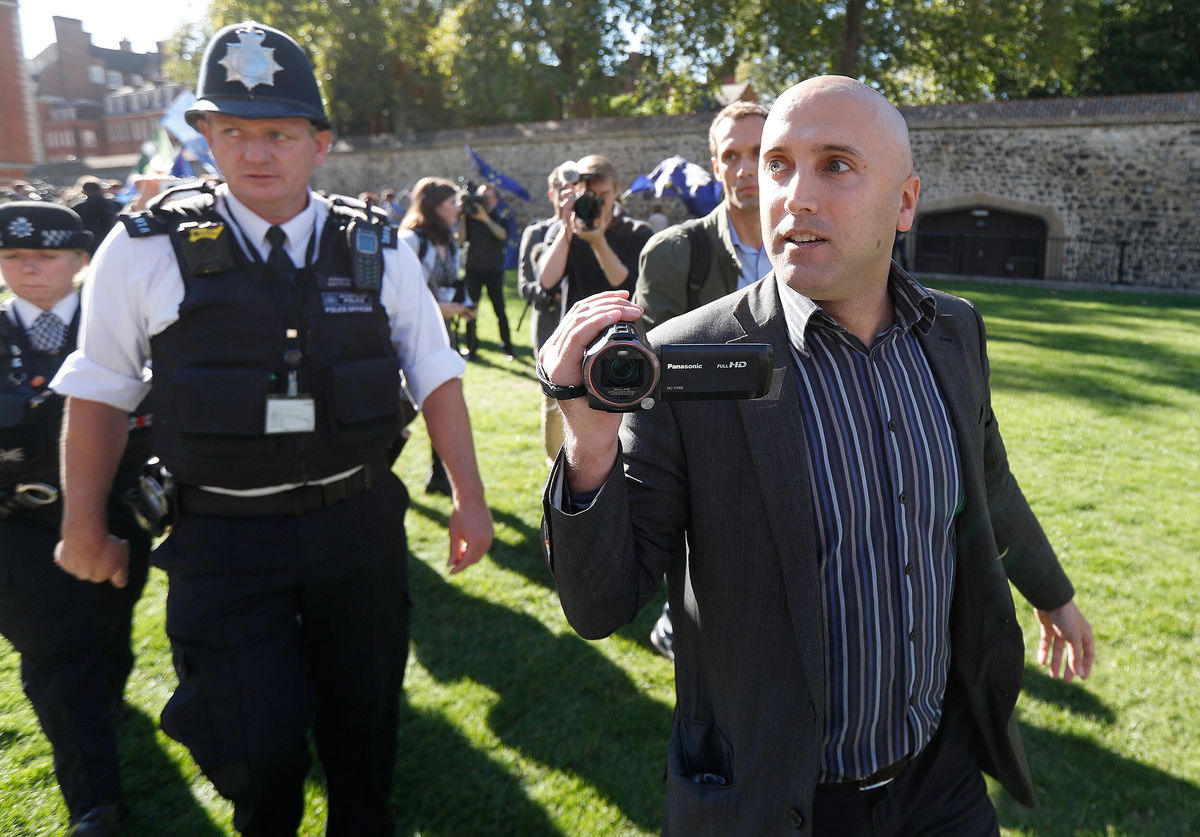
[590, 249]
[485, 232]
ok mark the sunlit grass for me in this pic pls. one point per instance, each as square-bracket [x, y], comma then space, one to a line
[515, 726]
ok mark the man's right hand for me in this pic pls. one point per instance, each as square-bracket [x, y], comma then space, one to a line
[565, 211]
[590, 435]
[95, 559]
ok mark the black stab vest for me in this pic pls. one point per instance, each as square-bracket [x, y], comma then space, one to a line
[31, 418]
[215, 367]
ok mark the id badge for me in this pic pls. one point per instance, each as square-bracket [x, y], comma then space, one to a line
[290, 415]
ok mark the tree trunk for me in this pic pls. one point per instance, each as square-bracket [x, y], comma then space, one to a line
[852, 39]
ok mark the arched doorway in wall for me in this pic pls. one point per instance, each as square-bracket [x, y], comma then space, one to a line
[981, 241]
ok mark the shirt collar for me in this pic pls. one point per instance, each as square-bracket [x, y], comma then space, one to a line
[915, 306]
[299, 228]
[27, 312]
[733, 236]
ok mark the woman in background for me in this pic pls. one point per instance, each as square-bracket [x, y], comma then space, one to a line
[428, 228]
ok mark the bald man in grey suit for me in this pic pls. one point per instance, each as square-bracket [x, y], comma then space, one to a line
[838, 552]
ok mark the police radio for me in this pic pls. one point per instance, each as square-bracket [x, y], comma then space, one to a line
[366, 254]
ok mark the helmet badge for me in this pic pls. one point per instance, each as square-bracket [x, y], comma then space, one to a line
[249, 61]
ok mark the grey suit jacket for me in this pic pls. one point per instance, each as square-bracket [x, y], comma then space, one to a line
[716, 495]
[662, 276]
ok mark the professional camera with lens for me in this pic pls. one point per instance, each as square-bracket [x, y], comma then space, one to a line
[588, 205]
[622, 373]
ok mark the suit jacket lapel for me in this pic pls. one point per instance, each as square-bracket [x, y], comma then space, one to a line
[775, 439]
[958, 384]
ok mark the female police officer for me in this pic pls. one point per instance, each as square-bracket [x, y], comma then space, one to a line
[72, 635]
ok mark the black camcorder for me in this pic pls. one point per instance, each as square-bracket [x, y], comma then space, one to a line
[588, 205]
[622, 373]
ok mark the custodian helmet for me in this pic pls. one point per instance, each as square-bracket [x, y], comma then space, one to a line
[256, 72]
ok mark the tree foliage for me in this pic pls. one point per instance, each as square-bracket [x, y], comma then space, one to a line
[1144, 47]
[398, 65]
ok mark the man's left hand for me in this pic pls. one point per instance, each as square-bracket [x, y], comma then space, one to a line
[471, 533]
[1066, 629]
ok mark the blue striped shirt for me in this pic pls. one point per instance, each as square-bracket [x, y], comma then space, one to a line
[886, 483]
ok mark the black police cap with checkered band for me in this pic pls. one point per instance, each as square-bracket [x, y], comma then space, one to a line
[39, 225]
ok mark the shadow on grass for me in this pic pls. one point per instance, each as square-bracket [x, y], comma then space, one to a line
[523, 557]
[560, 702]
[491, 353]
[446, 788]
[1067, 696]
[159, 796]
[1109, 371]
[1084, 788]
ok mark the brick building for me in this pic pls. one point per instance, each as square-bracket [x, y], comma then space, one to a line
[19, 142]
[93, 101]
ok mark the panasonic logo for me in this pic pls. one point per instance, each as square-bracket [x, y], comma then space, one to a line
[685, 365]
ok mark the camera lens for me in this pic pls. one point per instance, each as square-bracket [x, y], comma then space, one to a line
[621, 372]
[587, 208]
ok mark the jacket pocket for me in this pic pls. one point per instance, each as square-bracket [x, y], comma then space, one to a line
[701, 754]
[223, 412]
[365, 400]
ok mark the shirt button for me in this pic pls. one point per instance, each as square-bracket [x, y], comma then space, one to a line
[907, 567]
[912, 636]
[892, 425]
[903, 497]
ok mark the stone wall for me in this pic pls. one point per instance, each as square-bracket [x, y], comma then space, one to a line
[1116, 179]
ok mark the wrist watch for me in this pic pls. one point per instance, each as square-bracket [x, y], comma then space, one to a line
[553, 390]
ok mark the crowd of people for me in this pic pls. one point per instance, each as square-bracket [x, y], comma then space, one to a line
[245, 357]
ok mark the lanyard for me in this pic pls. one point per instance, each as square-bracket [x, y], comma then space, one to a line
[289, 299]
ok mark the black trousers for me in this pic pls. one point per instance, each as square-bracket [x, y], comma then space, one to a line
[941, 794]
[284, 624]
[73, 639]
[477, 279]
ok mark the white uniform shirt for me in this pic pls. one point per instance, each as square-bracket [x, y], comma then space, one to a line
[134, 290]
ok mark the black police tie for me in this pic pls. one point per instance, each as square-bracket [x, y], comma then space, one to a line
[48, 333]
[278, 260]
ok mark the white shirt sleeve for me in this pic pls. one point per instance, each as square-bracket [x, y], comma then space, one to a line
[132, 292]
[417, 330]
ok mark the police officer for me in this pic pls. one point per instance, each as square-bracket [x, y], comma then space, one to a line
[280, 325]
[72, 635]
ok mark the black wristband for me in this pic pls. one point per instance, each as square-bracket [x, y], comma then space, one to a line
[553, 390]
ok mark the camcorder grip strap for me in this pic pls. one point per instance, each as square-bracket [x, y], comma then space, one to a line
[553, 390]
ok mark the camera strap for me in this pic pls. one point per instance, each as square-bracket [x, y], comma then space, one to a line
[555, 391]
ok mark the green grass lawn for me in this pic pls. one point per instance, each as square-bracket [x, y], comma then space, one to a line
[515, 726]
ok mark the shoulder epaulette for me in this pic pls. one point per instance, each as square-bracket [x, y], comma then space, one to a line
[146, 223]
[194, 200]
